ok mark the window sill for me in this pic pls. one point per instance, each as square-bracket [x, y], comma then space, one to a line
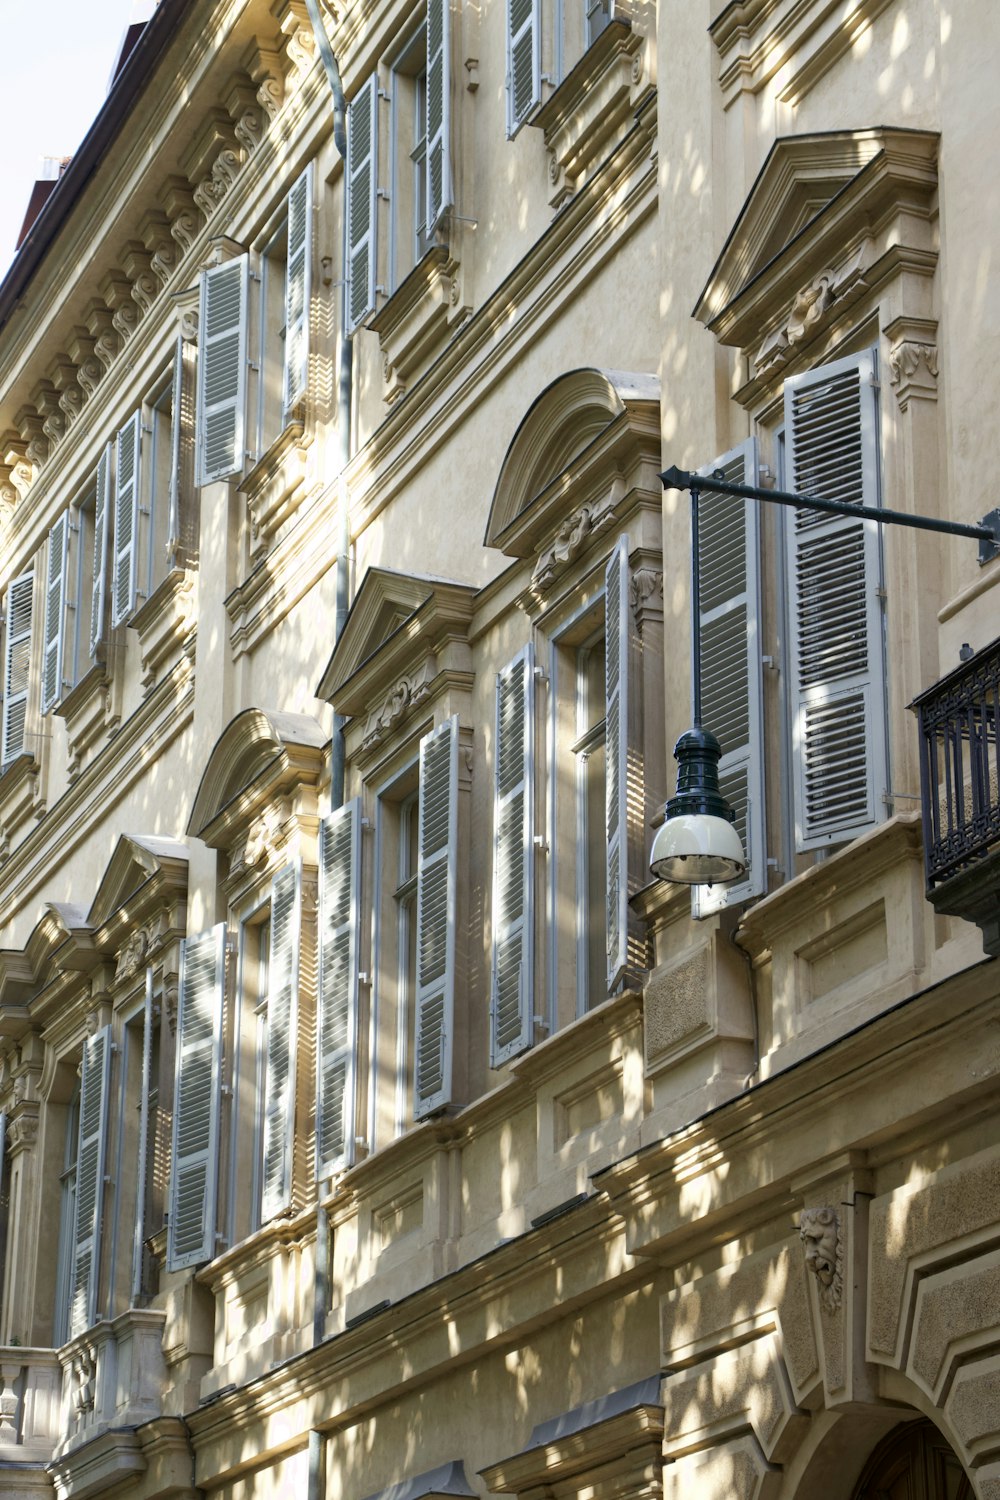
[591, 109]
[416, 319]
[164, 625]
[275, 485]
[113, 1376]
[92, 711]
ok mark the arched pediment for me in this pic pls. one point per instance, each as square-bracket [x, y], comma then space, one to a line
[60, 940]
[258, 749]
[566, 420]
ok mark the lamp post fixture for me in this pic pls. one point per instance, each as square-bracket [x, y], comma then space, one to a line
[697, 842]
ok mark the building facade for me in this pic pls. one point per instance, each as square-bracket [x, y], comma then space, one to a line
[373, 1125]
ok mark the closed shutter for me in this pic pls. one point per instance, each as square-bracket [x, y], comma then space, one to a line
[16, 666]
[732, 691]
[362, 171]
[195, 1145]
[524, 61]
[298, 290]
[102, 509]
[836, 635]
[511, 991]
[439, 193]
[339, 919]
[142, 1150]
[282, 1038]
[222, 367]
[175, 496]
[617, 640]
[55, 613]
[437, 851]
[126, 546]
[91, 1152]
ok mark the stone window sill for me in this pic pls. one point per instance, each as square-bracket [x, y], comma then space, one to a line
[276, 484]
[414, 322]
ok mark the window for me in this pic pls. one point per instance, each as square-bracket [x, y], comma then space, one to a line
[408, 236]
[83, 1191]
[249, 1051]
[281, 319]
[67, 1215]
[834, 664]
[544, 41]
[16, 667]
[421, 187]
[140, 1183]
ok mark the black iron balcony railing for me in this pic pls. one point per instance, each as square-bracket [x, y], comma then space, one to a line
[959, 721]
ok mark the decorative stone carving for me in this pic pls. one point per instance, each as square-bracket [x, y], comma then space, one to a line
[646, 593]
[207, 196]
[89, 375]
[22, 1131]
[184, 228]
[189, 326]
[262, 836]
[271, 95]
[250, 129]
[573, 535]
[406, 694]
[225, 171]
[819, 1230]
[301, 49]
[84, 1378]
[913, 369]
[8, 500]
[132, 955]
[107, 347]
[146, 289]
[125, 320]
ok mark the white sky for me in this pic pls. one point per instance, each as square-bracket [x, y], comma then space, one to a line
[64, 51]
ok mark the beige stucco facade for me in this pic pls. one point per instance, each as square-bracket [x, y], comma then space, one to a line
[373, 1124]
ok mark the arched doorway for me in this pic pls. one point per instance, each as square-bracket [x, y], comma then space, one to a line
[913, 1462]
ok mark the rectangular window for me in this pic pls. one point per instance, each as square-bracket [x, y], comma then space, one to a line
[395, 946]
[16, 667]
[408, 237]
[249, 1077]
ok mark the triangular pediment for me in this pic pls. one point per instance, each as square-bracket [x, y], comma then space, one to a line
[805, 194]
[135, 861]
[393, 614]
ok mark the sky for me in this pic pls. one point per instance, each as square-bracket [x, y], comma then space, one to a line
[54, 90]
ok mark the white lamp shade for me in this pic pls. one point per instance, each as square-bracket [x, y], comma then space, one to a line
[697, 849]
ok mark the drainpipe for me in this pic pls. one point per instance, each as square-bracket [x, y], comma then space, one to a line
[317, 1478]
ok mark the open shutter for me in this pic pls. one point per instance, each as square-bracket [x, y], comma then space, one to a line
[195, 1145]
[298, 290]
[222, 368]
[142, 1152]
[439, 192]
[362, 171]
[437, 851]
[90, 1179]
[836, 635]
[616, 636]
[123, 584]
[732, 689]
[524, 61]
[511, 991]
[102, 509]
[16, 667]
[282, 1036]
[174, 497]
[55, 613]
[339, 918]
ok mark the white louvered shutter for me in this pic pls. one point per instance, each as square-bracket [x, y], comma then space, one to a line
[437, 851]
[298, 290]
[617, 640]
[175, 495]
[91, 1152]
[732, 689]
[102, 510]
[524, 61]
[16, 666]
[55, 613]
[438, 166]
[362, 172]
[337, 1030]
[836, 635]
[282, 1039]
[511, 990]
[195, 1145]
[142, 1150]
[126, 545]
[222, 370]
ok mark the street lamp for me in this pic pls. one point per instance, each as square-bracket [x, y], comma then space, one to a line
[697, 843]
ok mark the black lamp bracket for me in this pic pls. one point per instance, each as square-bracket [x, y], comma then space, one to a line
[987, 533]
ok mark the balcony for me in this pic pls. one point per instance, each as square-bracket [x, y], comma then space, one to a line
[959, 719]
[30, 1399]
